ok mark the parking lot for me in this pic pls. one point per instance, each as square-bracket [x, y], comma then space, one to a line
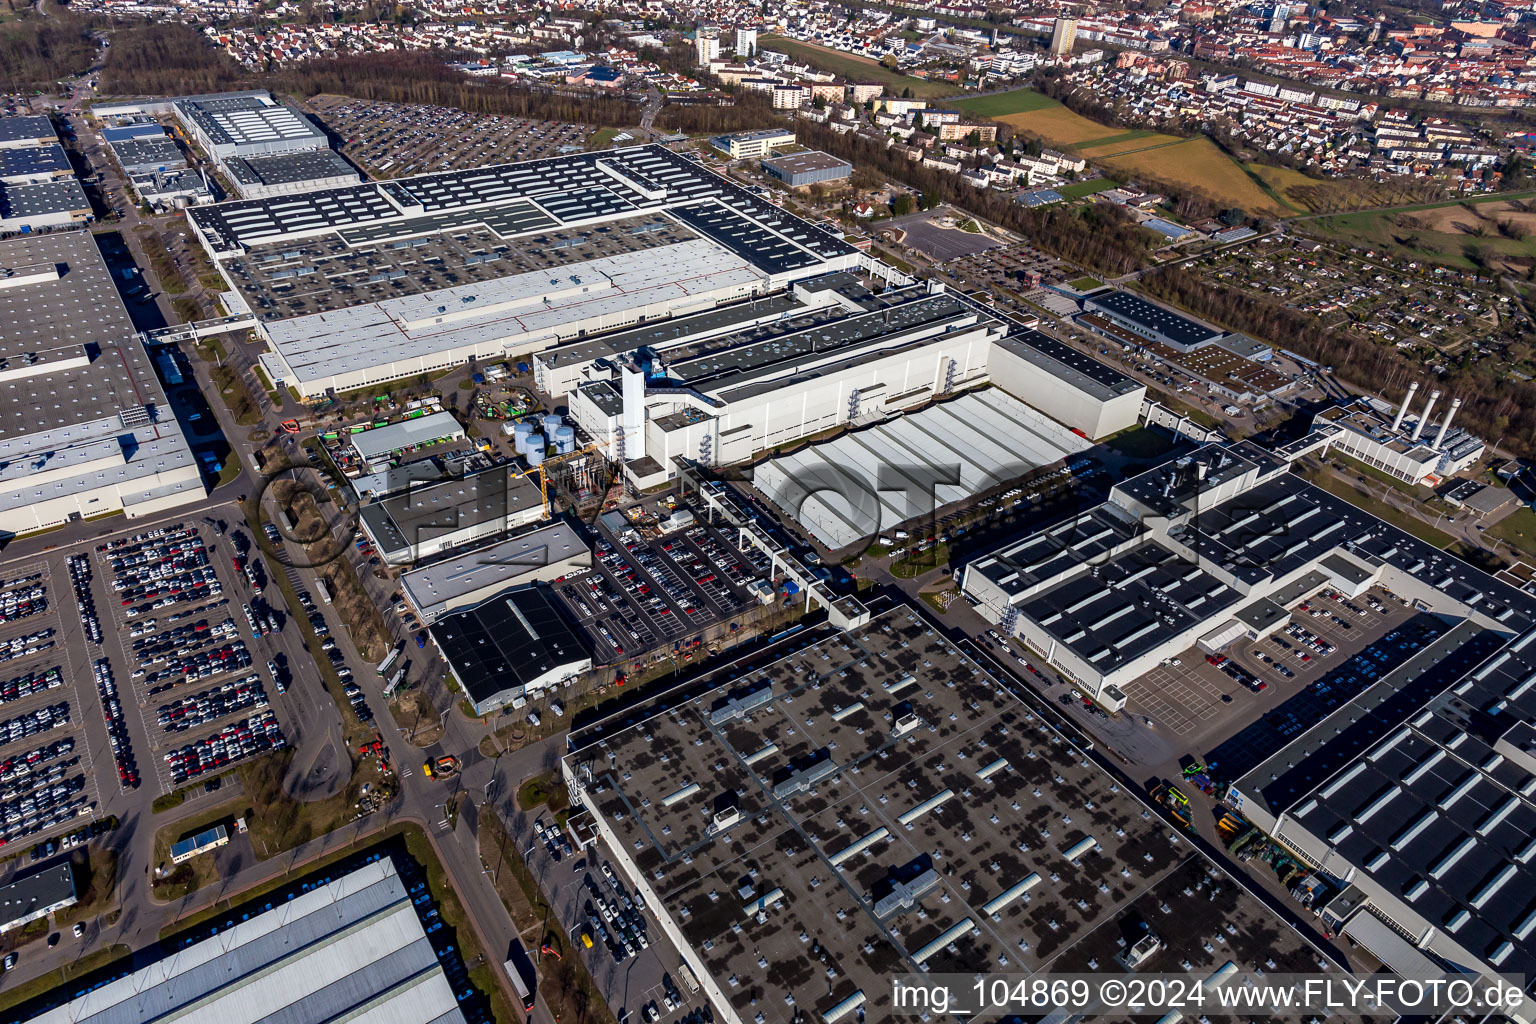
[46, 775]
[389, 140]
[1195, 695]
[187, 608]
[633, 965]
[646, 594]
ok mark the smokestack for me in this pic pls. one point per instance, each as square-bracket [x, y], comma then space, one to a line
[1402, 410]
[1446, 425]
[1418, 428]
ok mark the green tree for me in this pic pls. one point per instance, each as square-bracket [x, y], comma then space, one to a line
[903, 205]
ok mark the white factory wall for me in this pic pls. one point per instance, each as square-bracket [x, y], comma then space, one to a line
[89, 502]
[883, 386]
[1398, 464]
[1061, 401]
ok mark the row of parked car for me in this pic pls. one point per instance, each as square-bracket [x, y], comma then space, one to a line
[117, 726]
[33, 682]
[80, 578]
[235, 742]
[213, 704]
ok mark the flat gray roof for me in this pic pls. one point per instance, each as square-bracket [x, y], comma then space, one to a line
[290, 168]
[46, 198]
[811, 160]
[975, 801]
[21, 897]
[26, 128]
[506, 564]
[398, 436]
[353, 942]
[421, 514]
[30, 160]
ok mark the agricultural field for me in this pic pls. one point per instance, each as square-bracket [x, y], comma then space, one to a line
[1336, 195]
[1129, 142]
[1020, 101]
[1198, 165]
[1497, 232]
[858, 69]
[1055, 125]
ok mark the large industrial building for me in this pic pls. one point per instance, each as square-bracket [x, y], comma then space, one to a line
[511, 648]
[869, 481]
[874, 804]
[465, 579]
[1412, 789]
[679, 315]
[1130, 312]
[86, 429]
[30, 897]
[1208, 549]
[353, 948]
[427, 519]
[1409, 447]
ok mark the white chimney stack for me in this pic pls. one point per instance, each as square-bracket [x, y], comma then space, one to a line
[1402, 410]
[1418, 428]
[1446, 425]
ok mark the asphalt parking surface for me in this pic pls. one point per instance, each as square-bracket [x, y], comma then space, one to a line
[640, 596]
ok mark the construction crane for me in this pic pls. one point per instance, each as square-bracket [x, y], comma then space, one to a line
[581, 471]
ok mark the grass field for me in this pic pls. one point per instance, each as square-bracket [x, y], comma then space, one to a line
[1079, 189]
[1198, 165]
[1394, 232]
[859, 69]
[1020, 101]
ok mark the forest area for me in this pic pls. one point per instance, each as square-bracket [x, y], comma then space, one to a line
[1494, 407]
[175, 59]
[36, 51]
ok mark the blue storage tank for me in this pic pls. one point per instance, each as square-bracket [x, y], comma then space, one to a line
[520, 431]
[565, 440]
[534, 449]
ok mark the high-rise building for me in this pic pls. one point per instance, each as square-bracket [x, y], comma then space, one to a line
[746, 42]
[1063, 35]
[708, 43]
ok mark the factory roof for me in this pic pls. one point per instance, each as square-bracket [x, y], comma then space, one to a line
[874, 803]
[46, 198]
[533, 304]
[574, 188]
[511, 641]
[507, 564]
[19, 161]
[397, 437]
[1160, 320]
[872, 480]
[289, 168]
[352, 942]
[810, 160]
[27, 894]
[161, 151]
[425, 514]
[249, 120]
[1417, 777]
[25, 129]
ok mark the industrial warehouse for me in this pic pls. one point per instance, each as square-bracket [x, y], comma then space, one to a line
[672, 309]
[875, 804]
[87, 429]
[353, 945]
[1416, 450]
[1213, 547]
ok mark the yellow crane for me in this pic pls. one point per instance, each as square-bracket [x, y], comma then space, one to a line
[554, 460]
